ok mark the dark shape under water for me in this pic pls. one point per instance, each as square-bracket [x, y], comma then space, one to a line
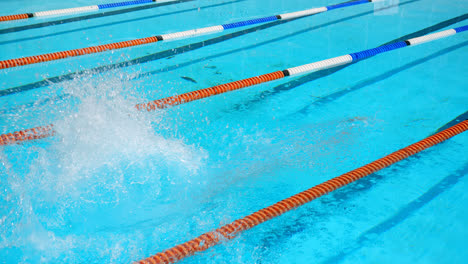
[188, 79]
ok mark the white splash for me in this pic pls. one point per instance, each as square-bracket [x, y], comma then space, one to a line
[106, 159]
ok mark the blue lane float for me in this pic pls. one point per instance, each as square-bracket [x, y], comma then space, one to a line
[249, 22]
[127, 3]
[461, 29]
[372, 52]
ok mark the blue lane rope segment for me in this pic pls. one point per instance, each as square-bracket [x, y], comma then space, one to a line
[250, 22]
[127, 3]
[372, 52]
[461, 29]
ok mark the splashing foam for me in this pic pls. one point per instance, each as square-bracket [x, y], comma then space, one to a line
[106, 162]
[106, 135]
[107, 130]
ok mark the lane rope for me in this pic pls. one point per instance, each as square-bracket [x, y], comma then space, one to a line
[230, 231]
[196, 45]
[311, 67]
[27, 134]
[170, 36]
[82, 9]
[170, 101]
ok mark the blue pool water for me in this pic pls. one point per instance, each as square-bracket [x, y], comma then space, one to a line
[116, 185]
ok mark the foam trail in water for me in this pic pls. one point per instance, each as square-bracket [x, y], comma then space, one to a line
[105, 167]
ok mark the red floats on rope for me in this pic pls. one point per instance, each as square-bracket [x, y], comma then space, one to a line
[14, 17]
[207, 92]
[27, 134]
[229, 231]
[73, 53]
[46, 131]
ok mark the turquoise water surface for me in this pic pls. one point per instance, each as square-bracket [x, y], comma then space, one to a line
[115, 185]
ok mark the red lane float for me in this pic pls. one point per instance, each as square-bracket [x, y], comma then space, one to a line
[207, 92]
[27, 134]
[73, 53]
[229, 231]
[14, 17]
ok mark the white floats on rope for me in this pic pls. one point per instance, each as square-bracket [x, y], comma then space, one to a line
[438, 35]
[66, 11]
[82, 9]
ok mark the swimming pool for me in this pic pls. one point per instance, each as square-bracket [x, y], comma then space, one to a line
[116, 185]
